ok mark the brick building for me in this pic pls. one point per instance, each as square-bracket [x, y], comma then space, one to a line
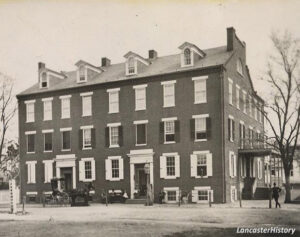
[193, 116]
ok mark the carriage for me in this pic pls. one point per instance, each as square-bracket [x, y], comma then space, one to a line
[57, 196]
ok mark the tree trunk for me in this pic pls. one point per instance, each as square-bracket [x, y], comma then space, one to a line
[287, 188]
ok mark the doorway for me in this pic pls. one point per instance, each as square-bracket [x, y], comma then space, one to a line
[140, 180]
[66, 173]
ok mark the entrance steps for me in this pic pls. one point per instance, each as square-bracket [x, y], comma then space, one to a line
[136, 201]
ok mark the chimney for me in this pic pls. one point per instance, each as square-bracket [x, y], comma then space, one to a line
[152, 54]
[41, 66]
[105, 62]
[230, 38]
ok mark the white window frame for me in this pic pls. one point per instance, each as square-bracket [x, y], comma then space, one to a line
[85, 74]
[200, 86]
[232, 172]
[231, 127]
[65, 111]
[197, 117]
[62, 130]
[244, 102]
[166, 102]
[108, 168]
[163, 165]
[237, 96]
[86, 146]
[182, 57]
[145, 122]
[41, 80]
[230, 91]
[176, 189]
[47, 108]
[113, 109]
[140, 103]
[31, 172]
[29, 133]
[113, 125]
[44, 134]
[128, 73]
[259, 169]
[195, 194]
[30, 116]
[165, 120]
[82, 175]
[48, 170]
[88, 97]
[239, 67]
[194, 164]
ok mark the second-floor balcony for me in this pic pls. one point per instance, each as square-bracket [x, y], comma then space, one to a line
[255, 146]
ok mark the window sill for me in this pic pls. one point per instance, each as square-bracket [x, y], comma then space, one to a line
[170, 177]
[31, 152]
[87, 180]
[31, 183]
[140, 144]
[200, 102]
[201, 140]
[47, 120]
[140, 109]
[65, 117]
[169, 142]
[171, 202]
[29, 121]
[48, 151]
[238, 108]
[187, 65]
[201, 177]
[81, 81]
[114, 146]
[114, 179]
[86, 115]
[46, 182]
[87, 148]
[168, 106]
[113, 112]
[64, 150]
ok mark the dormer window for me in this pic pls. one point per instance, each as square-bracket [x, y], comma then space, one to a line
[131, 66]
[82, 77]
[187, 56]
[239, 67]
[44, 80]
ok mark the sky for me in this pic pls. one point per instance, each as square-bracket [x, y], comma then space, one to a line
[60, 33]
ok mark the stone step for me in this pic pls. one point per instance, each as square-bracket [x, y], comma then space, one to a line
[136, 201]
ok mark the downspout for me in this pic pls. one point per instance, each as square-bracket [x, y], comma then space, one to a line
[223, 133]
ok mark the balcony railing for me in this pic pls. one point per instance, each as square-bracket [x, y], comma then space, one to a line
[247, 143]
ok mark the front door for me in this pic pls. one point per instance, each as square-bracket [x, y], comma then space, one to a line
[140, 180]
[67, 184]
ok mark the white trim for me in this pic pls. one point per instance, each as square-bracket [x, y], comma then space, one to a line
[169, 119]
[237, 86]
[65, 129]
[140, 86]
[31, 193]
[47, 99]
[113, 124]
[230, 80]
[168, 82]
[87, 127]
[140, 122]
[87, 93]
[92, 68]
[242, 122]
[202, 188]
[171, 188]
[250, 127]
[65, 97]
[92, 192]
[31, 162]
[200, 116]
[48, 131]
[113, 90]
[199, 78]
[258, 131]
[170, 154]
[47, 192]
[201, 152]
[87, 159]
[29, 101]
[48, 161]
[30, 132]
[114, 157]
[230, 116]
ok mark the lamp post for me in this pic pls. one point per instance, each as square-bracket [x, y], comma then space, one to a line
[147, 172]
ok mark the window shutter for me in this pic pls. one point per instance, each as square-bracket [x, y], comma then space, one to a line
[209, 164]
[177, 166]
[234, 171]
[177, 131]
[211, 195]
[244, 131]
[28, 173]
[120, 135]
[233, 130]
[45, 172]
[161, 132]
[49, 171]
[93, 164]
[107, 136]
[194, 195]
[93, 136]
[80, 139]
[121, 168]
[81, 170]
[229, 129]
[193, 165]
[230, 170]
[33, 173]
[208, 128]
[107, 169]
[162, 163]
[192, 127]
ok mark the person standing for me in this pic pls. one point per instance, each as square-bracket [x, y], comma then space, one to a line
[276, 190]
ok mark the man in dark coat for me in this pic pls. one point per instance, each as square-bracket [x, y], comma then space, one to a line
[276, 191]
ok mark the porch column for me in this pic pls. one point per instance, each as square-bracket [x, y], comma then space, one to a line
[132, 180]
[58, 176]
[152, 179]
[74, 176]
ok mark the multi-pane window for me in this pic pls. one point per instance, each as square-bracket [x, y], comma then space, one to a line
[169, 94]
[232, 164]
[200, 128]
[44, 80]
[65, 107]
[115, 168]
[48, 141]
[114, 136]
[187, 56]
[201, 165]
[171, 195]
[141, 137]
[230, 91]
[140, 98]
[242, 132]
[87, 137]
[114, 101]
[29, 112]
[231, 128]
[31, 171]
[203, 195]
[169, 131]
[244, 102]
[82, 73]
[200, 90]
[86, 105]
[170, 165]
[48, 109]
[237, 94]
[66, 140]
[30, 143]
[131, 66]
[88, 169]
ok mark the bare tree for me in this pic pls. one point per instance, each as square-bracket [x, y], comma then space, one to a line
[7, 109]
[282, 109]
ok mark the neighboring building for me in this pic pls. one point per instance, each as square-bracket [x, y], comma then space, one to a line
[193, 116]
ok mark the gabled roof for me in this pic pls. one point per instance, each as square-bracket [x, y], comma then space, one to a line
[116, 72]
[187, 44]
[81, 62]
[130, 54]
